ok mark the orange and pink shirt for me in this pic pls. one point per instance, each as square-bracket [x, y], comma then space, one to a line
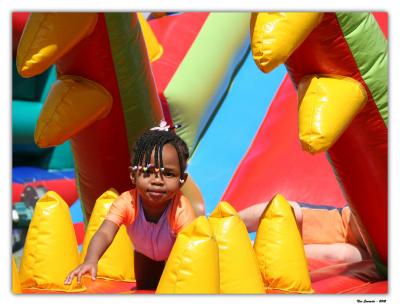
[154, 240]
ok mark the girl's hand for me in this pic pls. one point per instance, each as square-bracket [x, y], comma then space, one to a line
[86, 267]
[97, 246]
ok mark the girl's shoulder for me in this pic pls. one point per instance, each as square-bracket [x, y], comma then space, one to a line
[129, 195]
[181, 214]
[124, 208]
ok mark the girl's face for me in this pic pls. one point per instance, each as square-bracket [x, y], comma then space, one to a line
[157, 188]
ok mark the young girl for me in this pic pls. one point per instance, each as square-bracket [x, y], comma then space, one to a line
[154, 211]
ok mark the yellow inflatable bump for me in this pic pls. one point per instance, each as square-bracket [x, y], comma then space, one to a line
[275, 35]
[327, 105]
[154, 48]
[192, 266]
[73, 104]
[16, 285]
[51, 249]
[238, 267]
[280, 251]
[117, 262]
[48, 36]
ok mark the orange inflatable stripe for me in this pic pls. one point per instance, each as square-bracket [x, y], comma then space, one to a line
[97, 286]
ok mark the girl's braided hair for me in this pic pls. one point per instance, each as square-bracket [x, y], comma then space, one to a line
[155, 140]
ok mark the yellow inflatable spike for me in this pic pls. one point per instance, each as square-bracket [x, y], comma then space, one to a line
[280, 251]
[270, 42]
[48, 36]
[327, 105]
[238, 267]
[73, 104]
[117, 262]
[193, 193]
[16, 285]
[192, 266]
[154, 48]
[51, 249]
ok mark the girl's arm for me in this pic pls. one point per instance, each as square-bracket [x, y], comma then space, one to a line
[101, 241]
[97, 246]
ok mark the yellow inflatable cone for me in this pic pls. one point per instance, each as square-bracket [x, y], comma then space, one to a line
[117, 262]
[327, 106]
[238, 267]
[280, 251]
[192, 266]
[73, 104]
[270, 43]
[51, 249]
[48, 36]
[16, 285]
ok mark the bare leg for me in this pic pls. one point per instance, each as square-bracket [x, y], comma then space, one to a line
[147, 272]
[338, 252]
[251, 216]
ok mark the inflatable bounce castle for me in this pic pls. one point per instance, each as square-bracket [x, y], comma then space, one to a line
[258, 109]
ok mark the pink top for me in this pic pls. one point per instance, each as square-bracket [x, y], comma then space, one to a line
[155, 240]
